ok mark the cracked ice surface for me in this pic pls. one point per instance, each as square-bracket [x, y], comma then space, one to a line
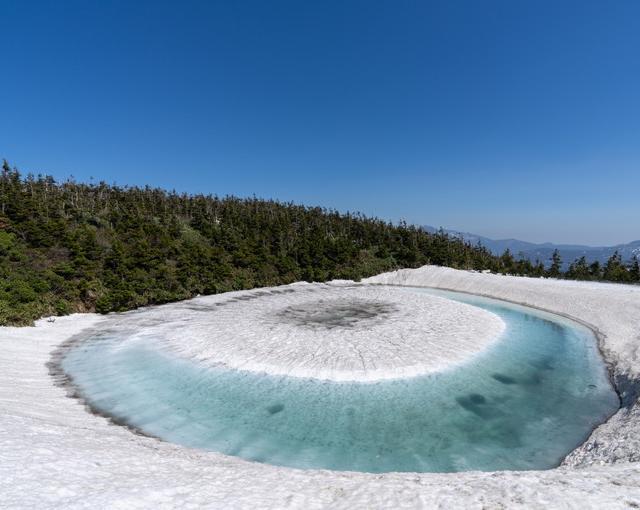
[331, 332]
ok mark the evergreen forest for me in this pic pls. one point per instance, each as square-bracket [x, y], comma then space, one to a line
[76, 247]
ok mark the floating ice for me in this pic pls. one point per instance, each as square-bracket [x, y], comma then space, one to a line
[339, 333]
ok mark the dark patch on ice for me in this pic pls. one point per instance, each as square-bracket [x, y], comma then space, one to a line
[504, 379]
[275, 408]
[478, 405]
[476, 398]
[337, 313]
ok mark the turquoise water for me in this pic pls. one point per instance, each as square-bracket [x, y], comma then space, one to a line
[522, 404]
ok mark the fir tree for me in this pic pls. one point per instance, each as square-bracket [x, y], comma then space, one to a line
[595, 270]
[615, 270]
[507, 262]
[634, 269]
[556, 265]
[579, 270]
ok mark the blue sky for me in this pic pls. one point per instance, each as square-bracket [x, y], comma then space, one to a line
[507, 119]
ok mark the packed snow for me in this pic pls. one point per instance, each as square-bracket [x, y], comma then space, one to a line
[329, 332]
[56, 454]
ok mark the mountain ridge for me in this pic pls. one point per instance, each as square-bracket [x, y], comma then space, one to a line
[543, 251]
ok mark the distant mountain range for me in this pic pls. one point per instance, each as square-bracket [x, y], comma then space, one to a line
[543, 251]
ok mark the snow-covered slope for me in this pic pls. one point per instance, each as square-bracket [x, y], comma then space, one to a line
[55, 454]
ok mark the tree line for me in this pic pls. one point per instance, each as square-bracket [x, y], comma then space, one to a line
[614, 270]
[74, 247]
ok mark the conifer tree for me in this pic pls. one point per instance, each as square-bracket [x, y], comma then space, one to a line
[579, 270]
[507, 262]
[556, 265]
[615, 270]
[634, 269]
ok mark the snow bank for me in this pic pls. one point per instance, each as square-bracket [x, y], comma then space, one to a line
[55, 454]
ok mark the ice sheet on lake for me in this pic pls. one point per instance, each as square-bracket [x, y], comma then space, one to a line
[342, 333]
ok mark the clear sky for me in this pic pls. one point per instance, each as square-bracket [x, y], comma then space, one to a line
[503, 118]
